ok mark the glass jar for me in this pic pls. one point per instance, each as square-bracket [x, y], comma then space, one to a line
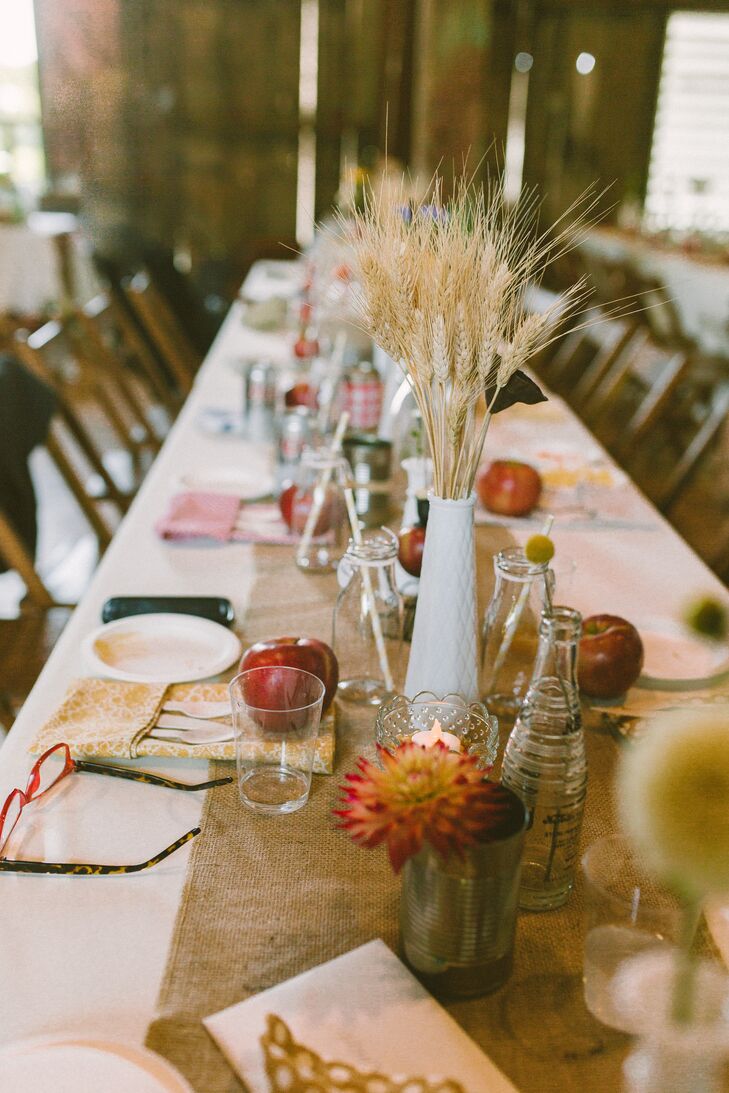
[510, 632]
[545, 765]
[367, 627]
[319, 510]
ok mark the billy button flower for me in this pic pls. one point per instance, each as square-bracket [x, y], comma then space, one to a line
[424, 795]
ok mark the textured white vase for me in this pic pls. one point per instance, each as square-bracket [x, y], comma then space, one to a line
[443, 654]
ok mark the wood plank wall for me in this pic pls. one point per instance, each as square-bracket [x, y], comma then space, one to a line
[181, 116]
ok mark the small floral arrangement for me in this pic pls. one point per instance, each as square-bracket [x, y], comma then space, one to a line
[673, 796]
[424, 795]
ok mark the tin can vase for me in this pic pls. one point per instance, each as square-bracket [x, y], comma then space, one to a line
[458, 915]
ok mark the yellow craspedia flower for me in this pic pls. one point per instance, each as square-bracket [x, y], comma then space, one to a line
[539, 549]
[673, 798]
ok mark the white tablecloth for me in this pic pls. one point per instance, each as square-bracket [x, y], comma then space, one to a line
[82, 954]
[30, 264]
[699, 288]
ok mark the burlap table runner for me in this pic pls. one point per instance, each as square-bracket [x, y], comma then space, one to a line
[267, 898]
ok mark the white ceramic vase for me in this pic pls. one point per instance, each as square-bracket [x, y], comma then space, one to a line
[444, 650]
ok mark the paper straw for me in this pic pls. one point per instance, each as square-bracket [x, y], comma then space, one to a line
[369, 594]
[320, 489]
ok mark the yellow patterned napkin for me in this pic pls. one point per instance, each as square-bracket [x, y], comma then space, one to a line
[110, 719]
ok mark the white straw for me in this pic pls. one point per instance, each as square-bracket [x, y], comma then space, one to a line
[369, 594]
[320, 489]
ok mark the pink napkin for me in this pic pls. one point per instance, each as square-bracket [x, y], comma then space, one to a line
[262, 523]
[197, 515]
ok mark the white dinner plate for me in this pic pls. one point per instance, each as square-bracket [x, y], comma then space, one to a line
[232, 481]
[86, 1066]
[161, 648]
[675, 658]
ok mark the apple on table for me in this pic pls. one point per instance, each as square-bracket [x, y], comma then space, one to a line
[611, 656]
[301, 394]
[508, 487]
[295, 505]
[307, 654]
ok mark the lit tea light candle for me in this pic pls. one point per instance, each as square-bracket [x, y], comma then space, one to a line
[430, 738]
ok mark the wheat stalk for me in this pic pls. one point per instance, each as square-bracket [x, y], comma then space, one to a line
[440, 287]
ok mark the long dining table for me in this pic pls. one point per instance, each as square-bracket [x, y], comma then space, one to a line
[87, 956]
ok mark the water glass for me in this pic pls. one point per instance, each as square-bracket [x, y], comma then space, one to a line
[276, 715]
[626, 914]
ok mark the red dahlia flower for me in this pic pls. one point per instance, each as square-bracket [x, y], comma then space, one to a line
[423, 795]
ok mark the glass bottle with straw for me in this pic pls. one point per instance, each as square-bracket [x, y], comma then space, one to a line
[510, 633]
[368, 616]
[324, 475]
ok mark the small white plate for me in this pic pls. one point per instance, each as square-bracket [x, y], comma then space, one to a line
[675, 659]
[161, 648]
[86, 1066]
[231, 481]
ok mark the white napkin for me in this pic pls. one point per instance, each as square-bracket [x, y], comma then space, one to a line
[364, 1009]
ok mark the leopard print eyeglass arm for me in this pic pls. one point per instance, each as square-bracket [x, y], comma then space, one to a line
[81, 869]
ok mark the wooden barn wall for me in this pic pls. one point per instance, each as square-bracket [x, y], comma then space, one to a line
[594, 128]
[197, 149]
[181, 116]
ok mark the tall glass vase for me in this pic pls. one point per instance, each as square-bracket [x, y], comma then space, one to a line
[444, 650]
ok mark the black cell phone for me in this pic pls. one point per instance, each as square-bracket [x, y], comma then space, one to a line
[215, 608]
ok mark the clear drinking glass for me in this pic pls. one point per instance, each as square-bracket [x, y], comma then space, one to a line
[627, 913]
[320, 511]
[510, 631]
[368, 620]
[276, 715]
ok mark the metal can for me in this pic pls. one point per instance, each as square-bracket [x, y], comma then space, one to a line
[260, 389]
[293, 432]
[370, 459]
[362, 392]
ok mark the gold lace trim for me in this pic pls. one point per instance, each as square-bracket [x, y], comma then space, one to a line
[293, 1068]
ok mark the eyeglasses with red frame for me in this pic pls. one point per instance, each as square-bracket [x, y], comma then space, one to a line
[50, 769]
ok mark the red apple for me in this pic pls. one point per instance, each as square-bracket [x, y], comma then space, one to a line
[410, 550]
[509, 488]
[295, 505]
[301, 394]
[611, 656]
[306, 347]
[308, 654]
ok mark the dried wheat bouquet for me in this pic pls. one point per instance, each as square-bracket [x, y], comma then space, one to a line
[442, 290]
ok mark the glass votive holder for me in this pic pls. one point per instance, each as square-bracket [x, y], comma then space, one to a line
[276, 715]
[627, 913]
[466, 727]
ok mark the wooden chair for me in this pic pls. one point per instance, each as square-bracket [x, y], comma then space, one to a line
[162, 329]
[613, 339]
[99, 343]
[87, 406]
[25, 645]
[714, 418]
[654, 403]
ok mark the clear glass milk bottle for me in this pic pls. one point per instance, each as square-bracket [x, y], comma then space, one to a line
[510, 633]
[545, 765]
[368, 616]
[319, 510]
